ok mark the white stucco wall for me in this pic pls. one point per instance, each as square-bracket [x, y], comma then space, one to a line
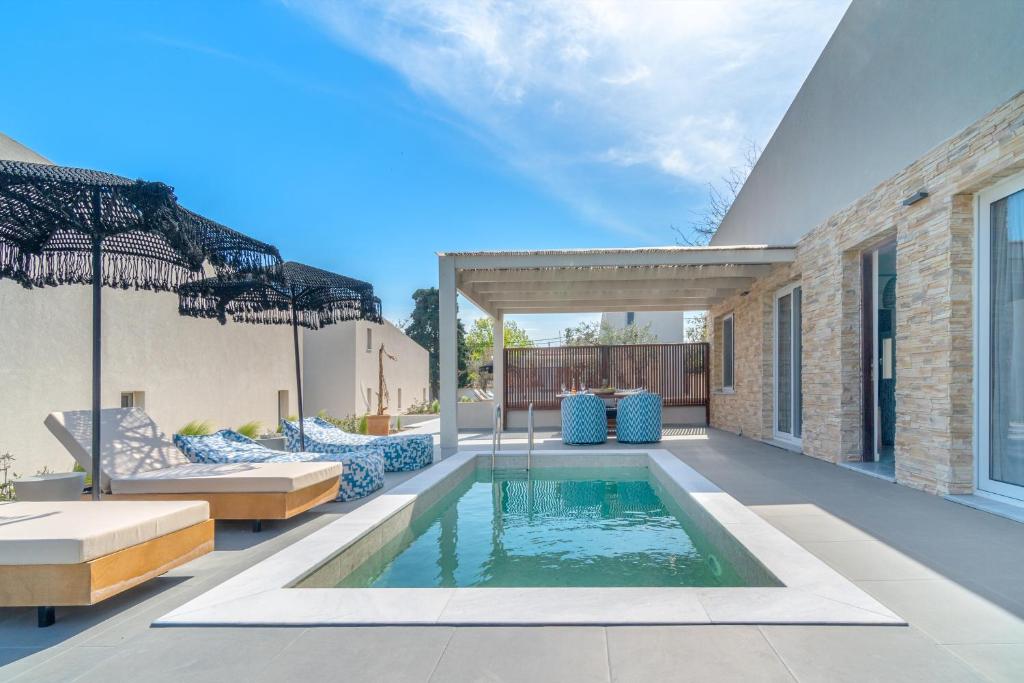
[666, 325]
[339, 369]
[189, 369]
[897, 78]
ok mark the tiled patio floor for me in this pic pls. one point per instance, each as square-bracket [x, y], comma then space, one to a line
[954, 573]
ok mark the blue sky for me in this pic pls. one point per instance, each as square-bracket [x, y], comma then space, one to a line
[364, 137]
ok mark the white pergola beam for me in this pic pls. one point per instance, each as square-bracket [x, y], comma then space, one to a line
[619, 258]
[470, 276]
[730, 283]
[518, 309]
[497, 298]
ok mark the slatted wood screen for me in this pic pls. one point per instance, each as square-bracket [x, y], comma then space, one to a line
[678, 372]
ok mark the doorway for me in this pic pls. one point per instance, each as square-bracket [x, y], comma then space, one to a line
[879, 359]
[1000, 350]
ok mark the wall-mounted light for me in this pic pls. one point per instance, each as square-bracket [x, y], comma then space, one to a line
[915, 198]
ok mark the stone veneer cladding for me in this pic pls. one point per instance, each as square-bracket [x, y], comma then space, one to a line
[934, 302]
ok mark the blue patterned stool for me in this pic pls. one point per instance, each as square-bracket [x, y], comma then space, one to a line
[583, 420]
[639, 419]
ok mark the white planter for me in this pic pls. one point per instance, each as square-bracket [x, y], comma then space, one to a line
[44, 487]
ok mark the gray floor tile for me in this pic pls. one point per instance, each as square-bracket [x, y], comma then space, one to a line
[396, 654]
[194, 655]
[699, 653]
[869, 560]
[947, 612]
[530, 655]
[998, 663]
[862, 654]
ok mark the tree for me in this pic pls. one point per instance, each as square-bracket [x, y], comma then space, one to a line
[720, 198]
[480, 338]
[697, 328]
[602, 334]
[424, 328]
[705, 223]
[480, 343]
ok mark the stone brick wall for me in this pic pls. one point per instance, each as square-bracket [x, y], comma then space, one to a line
[934, 311]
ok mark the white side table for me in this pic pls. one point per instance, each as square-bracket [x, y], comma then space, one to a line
[58, 486]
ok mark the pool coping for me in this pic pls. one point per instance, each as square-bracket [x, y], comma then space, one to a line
[813, 593]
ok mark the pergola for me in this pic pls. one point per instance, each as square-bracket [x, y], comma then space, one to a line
[584, 281]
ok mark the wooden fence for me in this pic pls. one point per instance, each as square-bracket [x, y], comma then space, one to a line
[678, 372]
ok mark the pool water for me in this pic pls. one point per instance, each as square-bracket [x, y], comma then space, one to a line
[549, 527]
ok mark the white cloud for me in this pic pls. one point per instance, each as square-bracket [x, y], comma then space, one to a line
[673, 87]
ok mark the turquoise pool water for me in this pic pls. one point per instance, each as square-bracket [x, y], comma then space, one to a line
[551, 527]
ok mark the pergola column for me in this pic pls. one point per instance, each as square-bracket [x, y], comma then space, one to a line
[448, 352]
[499, 362]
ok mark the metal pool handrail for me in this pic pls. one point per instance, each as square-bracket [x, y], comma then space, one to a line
[529, 436]
[496, 435]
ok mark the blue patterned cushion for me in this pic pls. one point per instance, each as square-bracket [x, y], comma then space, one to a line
[402, 452]
[227, 446]
[584, 420]
[362, 473]
[639, 419]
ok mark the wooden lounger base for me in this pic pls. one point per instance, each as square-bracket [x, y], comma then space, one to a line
[252, 506]
[86, 583]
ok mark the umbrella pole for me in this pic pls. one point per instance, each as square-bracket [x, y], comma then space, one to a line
[97, 284]
[298, 377]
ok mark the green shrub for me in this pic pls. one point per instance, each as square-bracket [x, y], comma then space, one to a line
[348, 424]
[253, 430]
[197, 428]
[398, 424]
[364, 426]
[435, 407]
[465, 399]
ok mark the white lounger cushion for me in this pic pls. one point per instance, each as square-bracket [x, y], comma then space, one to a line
[79, 531]
[264, 477]
[131, 442]
[138, 458]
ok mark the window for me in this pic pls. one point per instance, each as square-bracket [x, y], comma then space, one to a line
[282, 405]
[369, 340]
[424, 394]
[133, 399]
[399, 398]
[728, 353]
[630, 318]
[369, 398]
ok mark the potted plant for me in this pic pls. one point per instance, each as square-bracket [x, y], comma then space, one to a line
[380, 424]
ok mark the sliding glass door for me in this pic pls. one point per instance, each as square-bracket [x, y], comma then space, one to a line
[788, 395]
[1000, 426]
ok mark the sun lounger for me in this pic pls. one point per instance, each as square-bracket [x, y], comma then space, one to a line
[362, 472]
[402, 452]
[82, 552]
[140, 463]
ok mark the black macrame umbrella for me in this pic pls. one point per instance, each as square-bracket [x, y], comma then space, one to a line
[297, 294]
[61, 225]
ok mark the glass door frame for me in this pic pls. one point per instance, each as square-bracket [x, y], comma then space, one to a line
[794, 334]
[983, 340]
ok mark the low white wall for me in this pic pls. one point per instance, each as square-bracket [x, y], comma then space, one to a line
[340, 368]
[476, 415]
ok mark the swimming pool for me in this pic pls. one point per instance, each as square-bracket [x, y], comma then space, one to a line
[554, 527]
[587, 537]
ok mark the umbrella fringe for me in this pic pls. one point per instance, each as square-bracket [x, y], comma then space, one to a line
[75, 267]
